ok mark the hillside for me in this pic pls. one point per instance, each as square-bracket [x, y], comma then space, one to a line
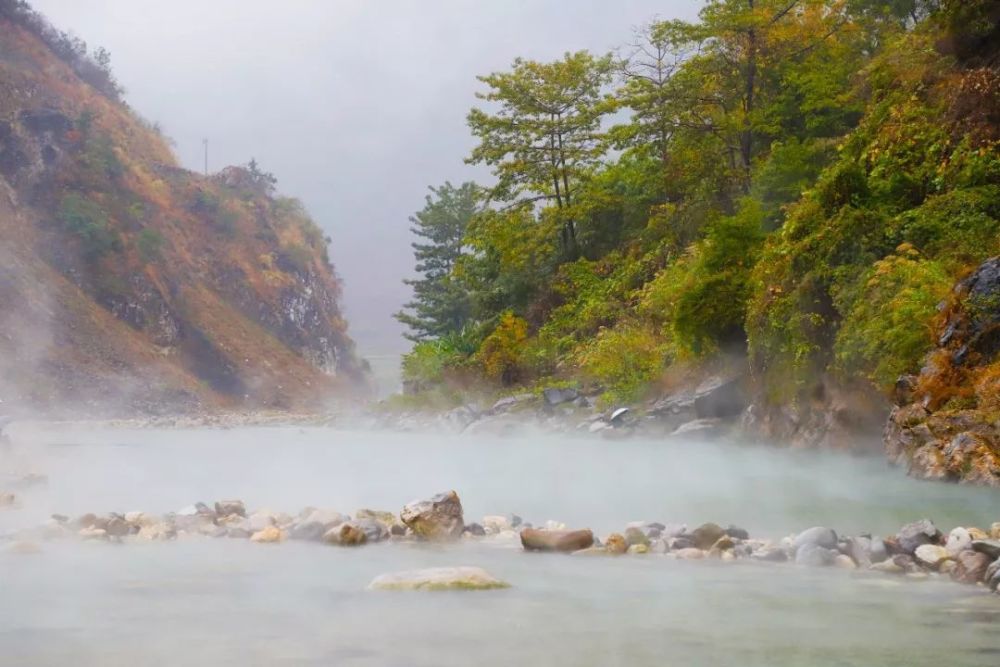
[128, 284]
[791, 204]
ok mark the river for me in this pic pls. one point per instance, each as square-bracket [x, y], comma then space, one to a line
[203, 601]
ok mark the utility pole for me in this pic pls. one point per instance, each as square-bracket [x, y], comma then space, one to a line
[205, 142]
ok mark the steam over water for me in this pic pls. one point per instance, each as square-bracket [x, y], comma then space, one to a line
[229, 602]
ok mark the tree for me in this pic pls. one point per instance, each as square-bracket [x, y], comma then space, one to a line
[545, 136]
[441, 305]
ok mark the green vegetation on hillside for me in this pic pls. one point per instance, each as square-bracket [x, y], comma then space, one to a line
[795, 185]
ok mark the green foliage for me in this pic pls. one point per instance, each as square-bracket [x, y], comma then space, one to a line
[623, 360]
[441, 305]
[501, 353]
[888, 329]
[87, 221]
[150, 244]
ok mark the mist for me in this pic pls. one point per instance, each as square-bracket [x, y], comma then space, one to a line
[356, 107]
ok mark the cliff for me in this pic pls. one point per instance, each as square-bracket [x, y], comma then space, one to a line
[130, 285]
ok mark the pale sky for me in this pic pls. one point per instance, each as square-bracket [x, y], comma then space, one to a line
[356, 106]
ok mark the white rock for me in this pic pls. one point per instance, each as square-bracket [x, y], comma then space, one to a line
[931, 554]
[554, 525]
[959, 540]
[495, 523]
[438, 579]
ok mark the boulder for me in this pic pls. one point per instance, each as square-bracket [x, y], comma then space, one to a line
[438, 518]
[689, 554]
[992, 575]
[818, 536]
[737, 532]
[224, 508]
[814, 555]
[347, 534]
[438, 579]
[534, 539]
[495, 523]
[844, 562]
[638, 549]
[771, 554]
[971, 567]
[635, 535]
[860, 550]
[995, 531]
[315, 525]
[705, 535]
[989, 547]
[258, 521]
[616, 544]
[475, 530]
[959, 540]
[268, 535]
[555, 396]
[931, 555]
[912, 535]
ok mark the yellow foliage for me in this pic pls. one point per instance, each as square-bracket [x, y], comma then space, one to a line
[502, 352]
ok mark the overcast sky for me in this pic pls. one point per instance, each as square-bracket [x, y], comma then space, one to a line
[356, 106]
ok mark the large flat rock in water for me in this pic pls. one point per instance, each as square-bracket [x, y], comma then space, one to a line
[438, 579]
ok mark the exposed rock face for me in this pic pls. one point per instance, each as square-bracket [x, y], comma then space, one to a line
[438, 579]
[533, 539]
[438, 518]
[937, 431]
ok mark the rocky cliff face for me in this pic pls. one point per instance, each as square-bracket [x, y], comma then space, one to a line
[128, 284]
[946, 424]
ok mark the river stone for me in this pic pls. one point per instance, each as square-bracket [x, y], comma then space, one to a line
[347, 534]
[817, 536]
[535, 539]
[375, 531]
[23, 547]
[635, 536]
[958, 540]
[989, 547]
[888, 566]
[268, 535]
[931, 555]
[93, 534]
[912, 535]
[971, 567]
[638, 549]
[771, 554]
[689, 554]
[658, 546]
[616, 544]
[705, 535]
[438, 579]
[475, 530]
[737, 533]
[258, 521]
[315, 525]
[992, 575]
[117, 526]
[860, 551]
[978, 533]
[813, 555]
[224, 508]
[495, 523]
[238, 532]
[995, 531]
[438, 518]
[844, 562]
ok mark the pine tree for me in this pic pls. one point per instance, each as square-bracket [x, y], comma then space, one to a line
[441, 305]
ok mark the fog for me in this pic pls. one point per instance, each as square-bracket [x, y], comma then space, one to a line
[356, 107]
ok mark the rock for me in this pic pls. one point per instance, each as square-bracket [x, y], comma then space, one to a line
[859, 549]
[268, 535]
[638, 549]
[995, 531]
[635, 535]
[658, 546]
[690, 554]
[771, 554]
[315, 525]
[224, 508]
[888, 566]
[618, 416]
[682, 542]
[258, 521]
[237, 532]
[844, 562]
[705, 535]
[375, 531]
[879, 551]
[912, 535]
[438, 518]
[495, 523]
[992, 575]
[977, 534]
[347, 534]
[8, 500]
[554, 525]
[93, 534]
[720, 398]
[616, 544]
[724, 543]
[212, 530]
[651, 529]
[813, 555]
[737, 533]
[475, 529]
[554, 396]
[388, 519]
[534, 539]
[438, 579]
[117, 527]
[989, 547]
[510, 402]
[23, 547]
[158, 531]
[971, 567]
[597, 426]
[931, 555]
[816, 536]
[591, 551]
[958, 540]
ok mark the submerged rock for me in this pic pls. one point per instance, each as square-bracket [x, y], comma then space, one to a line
[534, 539]
[931, 555]
[268, 535]
[705, 535]
[818, 536]
[438, 518]
[616, 544]
[438, 579]
[347, 534]
[814, 555]
[971, 567]
[314, 525]
[912, 535]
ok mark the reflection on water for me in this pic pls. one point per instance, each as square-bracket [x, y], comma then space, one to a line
[228, 602]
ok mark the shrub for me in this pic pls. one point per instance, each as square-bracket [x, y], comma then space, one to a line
[88, 222]
[624, 360]
[502, 352]
[888, 331]
[150, 244]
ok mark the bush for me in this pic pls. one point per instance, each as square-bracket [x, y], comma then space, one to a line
[88, 222]
[502, 352]
[889, 329]
[624, 360]
[150, 243]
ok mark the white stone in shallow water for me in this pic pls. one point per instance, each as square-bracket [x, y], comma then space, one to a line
[931, 554]
[959, 540]
[438, 579]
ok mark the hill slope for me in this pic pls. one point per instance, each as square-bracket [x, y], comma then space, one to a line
[128, 284]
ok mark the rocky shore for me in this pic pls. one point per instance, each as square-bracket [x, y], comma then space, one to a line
[918, 550]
